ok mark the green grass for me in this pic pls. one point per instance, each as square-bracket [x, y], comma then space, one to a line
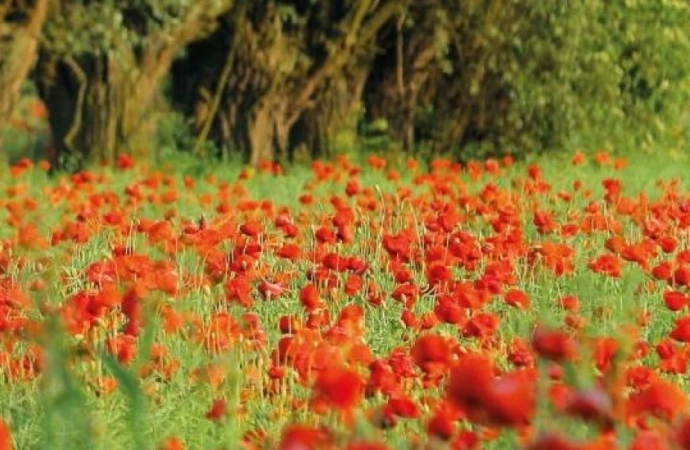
[60, 410]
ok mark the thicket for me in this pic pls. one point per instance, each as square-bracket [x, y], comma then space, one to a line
[292, 79]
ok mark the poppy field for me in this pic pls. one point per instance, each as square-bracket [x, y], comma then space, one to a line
[372, 305]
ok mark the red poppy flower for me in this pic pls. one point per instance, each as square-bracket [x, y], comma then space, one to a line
[441, 425]
[552, 441]
[171, 443]
[270, 290]
[648, 439]
[553, 344]
[403, 407]
[131, 308]
[681, 331]
[310, 298]
[517, 298]
[606, 265]
[663, 271]
[661, 398]
[5, 436]
[218, 410]
[251, 229]
[470, 383]
[681, 276]
[304, 437]
[511, 399]
[682, 434]
[289, 251]
[430, 348]
[340, 387]
[593, 405]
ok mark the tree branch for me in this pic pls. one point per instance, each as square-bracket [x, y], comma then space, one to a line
[76, 121]
[200, 20]
[360, 33]
[17, 61]
[215, 104]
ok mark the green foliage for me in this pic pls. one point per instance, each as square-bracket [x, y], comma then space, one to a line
[471, 78]
[174, 134]
[513, 76]
[562, 77]
[653, 45]
[62, 398]
[79, 27]
[130, 384]
[101, 68]
[599, 72]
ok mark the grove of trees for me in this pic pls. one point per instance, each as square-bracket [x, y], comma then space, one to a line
[278, 79]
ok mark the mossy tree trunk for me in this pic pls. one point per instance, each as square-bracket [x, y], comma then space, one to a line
[331, 125]
[20, 28]
[404, 71]
[279, 67]
[100, 95]
[100, 106]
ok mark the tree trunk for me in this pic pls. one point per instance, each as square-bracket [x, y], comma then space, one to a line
[262, 132]
[18, 44]
[99, 106]
[259, 134]
[102, 92]
[398, 78]
[85, 110]
[280, 71]
[331, 125]
[59, 88]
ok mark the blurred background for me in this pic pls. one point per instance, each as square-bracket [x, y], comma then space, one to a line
[84, 81]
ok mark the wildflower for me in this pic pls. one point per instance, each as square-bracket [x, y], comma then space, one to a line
[310, 298]
[218, 410]
[171, 443]
[661, 398]
[553, 344]
[517, 298]
[609, 265]
[551, 441]
[341, 388]
[441, 425]
[593, 405]
[430, 348]
[297, 437]
[5, 436]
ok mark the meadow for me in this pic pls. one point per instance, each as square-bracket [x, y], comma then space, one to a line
[368, 304]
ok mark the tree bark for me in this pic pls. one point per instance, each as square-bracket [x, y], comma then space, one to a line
[18, 46]
[281, 74]
[262, 132]
[99, 106]
[332, 122]
[402, 71]
[101, 96]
